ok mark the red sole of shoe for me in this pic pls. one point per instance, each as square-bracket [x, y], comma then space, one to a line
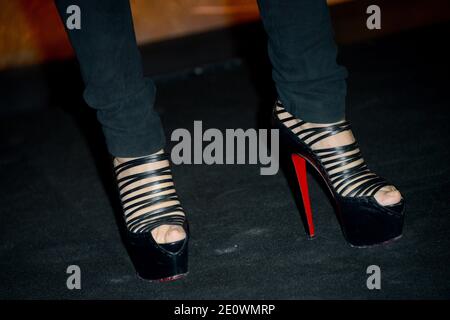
[300, 170]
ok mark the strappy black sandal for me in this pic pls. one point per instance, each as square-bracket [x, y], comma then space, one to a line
[363, 220]
[153, 261]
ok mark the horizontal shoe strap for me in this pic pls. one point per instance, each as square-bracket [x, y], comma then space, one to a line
[143, 195]
[344, 159]
[139, 203]
[159, 217]
[298, 124]
[148, 203]
[331, 152]
[145, 185]
[375, 187]
[352, 182]
[142, 175]
[148, 226]
[356, 179]
[347, 172]
[332, 130]
[289, 119]
[138, 161]
[343, 179]
[156, 213]
[359, 189]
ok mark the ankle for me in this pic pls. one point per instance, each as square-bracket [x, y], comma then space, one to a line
[120, 160]
[307, 124]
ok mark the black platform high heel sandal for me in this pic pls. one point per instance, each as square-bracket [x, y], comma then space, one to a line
[363, 220]
[153, 261]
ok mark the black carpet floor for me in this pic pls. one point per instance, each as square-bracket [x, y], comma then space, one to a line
[58, 204]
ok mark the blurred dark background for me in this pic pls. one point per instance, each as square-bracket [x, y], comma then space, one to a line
[57, 199]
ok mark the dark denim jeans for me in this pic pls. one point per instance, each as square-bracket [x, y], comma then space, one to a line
[301, 47]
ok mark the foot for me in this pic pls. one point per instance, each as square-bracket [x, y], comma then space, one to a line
[388, 195]
[165, 233]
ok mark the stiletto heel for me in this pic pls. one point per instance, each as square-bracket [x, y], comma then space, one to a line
[153, 261]
[300, 170]
[352, 185]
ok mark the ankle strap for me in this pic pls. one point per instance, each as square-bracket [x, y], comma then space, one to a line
[138, 161]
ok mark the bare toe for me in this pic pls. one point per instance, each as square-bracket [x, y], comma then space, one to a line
[168, 233]
[388, 196]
